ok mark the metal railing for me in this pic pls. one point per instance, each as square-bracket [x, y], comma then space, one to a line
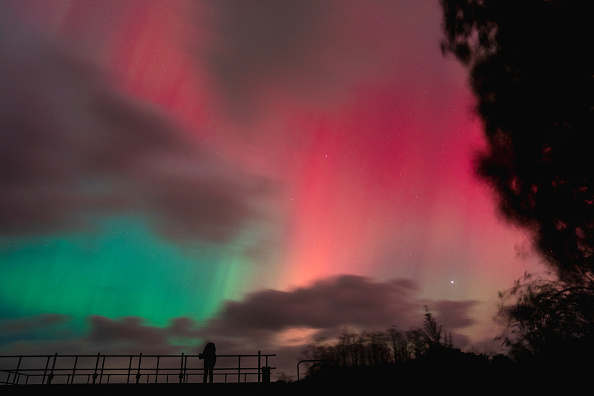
[104, 369]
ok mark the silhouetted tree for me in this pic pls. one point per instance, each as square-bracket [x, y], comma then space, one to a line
[416, 343]
[531, 71]
[421, 357]
[377, 348]
[399, 345]
[431, 330]
[349, 350]
[548, 319]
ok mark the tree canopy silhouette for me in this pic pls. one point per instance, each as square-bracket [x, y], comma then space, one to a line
[423, 356]
[549, 320]
[531, 71]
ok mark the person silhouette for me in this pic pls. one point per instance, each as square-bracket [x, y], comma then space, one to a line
[210, 359]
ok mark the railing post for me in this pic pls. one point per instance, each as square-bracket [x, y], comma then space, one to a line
[181, 369]
[45, 369]
[102, 367]
[74, 369]
[129, 369]
[96, 365]
[51, 374]
[157, 369]
[138, 373]
[238, 369]
[16, 373]
[259, 354]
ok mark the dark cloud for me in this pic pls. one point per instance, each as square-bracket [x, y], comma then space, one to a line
[327, 307]
[73, 146]
[273, 321]
[129, 330]
[134, 335]
[453, 314]
[129, 335]
[21, 326]
[328, 303]
[284, 322]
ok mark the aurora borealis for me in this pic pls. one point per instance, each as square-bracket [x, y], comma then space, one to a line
[176, 168]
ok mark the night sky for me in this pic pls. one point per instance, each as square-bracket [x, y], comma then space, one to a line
[258, 173]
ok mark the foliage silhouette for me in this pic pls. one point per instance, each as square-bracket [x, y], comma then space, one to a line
[418, 359]
[532, 74]
[433, 332]
[375, 358]
[548, 320]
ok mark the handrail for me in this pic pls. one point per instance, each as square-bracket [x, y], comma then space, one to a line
[98, 369]
[309, 361]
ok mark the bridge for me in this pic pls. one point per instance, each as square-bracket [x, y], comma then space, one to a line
[138, 369]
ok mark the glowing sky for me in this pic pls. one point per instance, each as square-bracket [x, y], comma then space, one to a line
[171, 167]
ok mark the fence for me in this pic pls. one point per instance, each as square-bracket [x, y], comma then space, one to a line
[103, 369]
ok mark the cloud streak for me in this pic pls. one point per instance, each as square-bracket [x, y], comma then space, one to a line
[74, 146]
[21, 326]
[261, 56]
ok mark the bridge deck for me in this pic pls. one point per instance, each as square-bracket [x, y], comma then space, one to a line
[152, 389]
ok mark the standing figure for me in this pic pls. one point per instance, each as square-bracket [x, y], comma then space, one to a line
[210, 359]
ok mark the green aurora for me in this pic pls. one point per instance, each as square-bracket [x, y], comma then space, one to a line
[120, 269]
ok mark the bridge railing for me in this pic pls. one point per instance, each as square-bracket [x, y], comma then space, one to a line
[103, 369]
